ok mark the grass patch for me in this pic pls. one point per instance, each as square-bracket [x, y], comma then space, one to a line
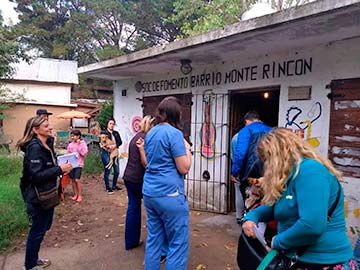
[93, 164]
[13, 217]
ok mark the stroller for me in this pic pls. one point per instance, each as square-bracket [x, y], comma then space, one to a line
[252, 251]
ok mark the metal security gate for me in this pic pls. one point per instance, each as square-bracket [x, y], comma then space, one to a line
[205, 124]
[206, 184]
[344, 134]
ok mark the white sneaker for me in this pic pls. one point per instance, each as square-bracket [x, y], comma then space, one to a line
[34, 268]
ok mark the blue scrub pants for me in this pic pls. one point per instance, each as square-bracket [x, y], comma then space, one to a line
[167, 220]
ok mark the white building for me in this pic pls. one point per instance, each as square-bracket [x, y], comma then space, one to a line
[44, 83]
[305, 60]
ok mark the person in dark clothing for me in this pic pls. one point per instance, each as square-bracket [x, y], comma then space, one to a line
[39, 170]
[245, 157]
[133, 178]
[105, 156]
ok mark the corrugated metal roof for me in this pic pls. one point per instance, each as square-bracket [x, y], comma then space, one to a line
[47, 70]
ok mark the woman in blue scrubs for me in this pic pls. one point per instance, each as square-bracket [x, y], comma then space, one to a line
[168, 158]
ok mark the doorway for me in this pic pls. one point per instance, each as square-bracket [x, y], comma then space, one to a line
[150, 104]
[265, 101]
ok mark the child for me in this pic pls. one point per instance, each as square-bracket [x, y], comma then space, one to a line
[77, 146]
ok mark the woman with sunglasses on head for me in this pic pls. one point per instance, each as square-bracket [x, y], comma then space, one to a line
[40, 170]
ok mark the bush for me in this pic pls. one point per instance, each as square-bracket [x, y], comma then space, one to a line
[93, 164]
[106, 113]
[13, 217]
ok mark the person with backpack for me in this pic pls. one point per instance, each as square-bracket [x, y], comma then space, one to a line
[246, 162]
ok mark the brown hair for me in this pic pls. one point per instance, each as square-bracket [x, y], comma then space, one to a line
[33, 122]
[169, 110]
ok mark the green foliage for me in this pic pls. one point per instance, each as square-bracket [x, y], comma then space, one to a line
[200, 16]
[10, 50]
[93, 164]
[13, 217]
[7, 99]
[108, 52]
[283, 4]
[105, 114]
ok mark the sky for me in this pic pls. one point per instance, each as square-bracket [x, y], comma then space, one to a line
[8, 12]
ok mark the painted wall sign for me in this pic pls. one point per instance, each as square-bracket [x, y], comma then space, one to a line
[287, 68]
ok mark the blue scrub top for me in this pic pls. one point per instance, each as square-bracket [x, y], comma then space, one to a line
[163, 143]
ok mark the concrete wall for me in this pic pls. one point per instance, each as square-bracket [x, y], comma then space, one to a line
[325, 62]
[14, 125]
[49, 93]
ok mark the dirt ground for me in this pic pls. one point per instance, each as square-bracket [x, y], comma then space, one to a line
[90, 235]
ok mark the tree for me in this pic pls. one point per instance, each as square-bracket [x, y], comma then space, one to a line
[106, 112]
[198, 16]
[10, 51]
[283, 4]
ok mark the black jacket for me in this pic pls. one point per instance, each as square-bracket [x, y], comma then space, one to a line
[117, 137]
[40, 170]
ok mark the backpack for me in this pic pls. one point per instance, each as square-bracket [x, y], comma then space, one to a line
[253, 165]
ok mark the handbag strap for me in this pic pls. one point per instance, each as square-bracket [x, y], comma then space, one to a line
[302, 250]
[267, 259]
[332, 208]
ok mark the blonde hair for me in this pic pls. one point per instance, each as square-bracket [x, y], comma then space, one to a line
[147, 123]
[281, 150]
[29, 134]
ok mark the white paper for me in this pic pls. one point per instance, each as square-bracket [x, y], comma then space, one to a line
[71, 158]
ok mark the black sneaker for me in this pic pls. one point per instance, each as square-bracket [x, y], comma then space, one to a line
[162, 259]
[110, 191]
[117, 188]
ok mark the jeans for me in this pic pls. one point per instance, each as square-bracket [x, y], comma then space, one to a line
[105, 158]
[133, 215]
[357, 252]
[41, 222]
[167, 220]
[239, 202]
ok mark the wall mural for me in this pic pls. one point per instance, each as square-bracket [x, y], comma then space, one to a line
[135, 123]
[132, 127]
[207, 131]
[300, 122]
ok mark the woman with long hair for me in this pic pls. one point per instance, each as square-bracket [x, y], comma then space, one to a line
[39, 169]
[168, 160]
[133, 179]
[300, 186]
[105, 156]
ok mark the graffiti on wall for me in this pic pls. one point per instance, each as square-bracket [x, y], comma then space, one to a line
[207, 131]
[131, 125]
[301, 122]
[135, 123]
[352, 214]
